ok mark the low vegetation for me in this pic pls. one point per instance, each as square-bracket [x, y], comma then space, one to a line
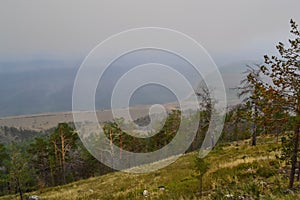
[235, 171]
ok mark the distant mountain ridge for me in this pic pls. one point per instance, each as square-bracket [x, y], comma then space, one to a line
[42, 87]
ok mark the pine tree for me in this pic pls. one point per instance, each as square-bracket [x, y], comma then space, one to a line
[277, 93]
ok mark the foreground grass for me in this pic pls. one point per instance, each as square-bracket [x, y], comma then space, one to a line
[240, 170]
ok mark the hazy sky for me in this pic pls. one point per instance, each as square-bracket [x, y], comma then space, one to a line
[230, 30]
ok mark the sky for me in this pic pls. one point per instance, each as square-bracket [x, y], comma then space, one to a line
[231, 30]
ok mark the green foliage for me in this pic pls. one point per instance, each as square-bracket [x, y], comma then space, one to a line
[227, 173]
[201, 166]
[4, 157]
[247, 166]
[20, 177]
[252, 189]
[287, 147]
[12, 134]
[266, 172]
[274, 91]
[275, 164]
[134, 144]
[3, 154]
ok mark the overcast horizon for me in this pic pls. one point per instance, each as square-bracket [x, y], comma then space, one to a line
[44, 43]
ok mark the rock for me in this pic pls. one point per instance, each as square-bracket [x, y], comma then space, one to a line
[288, 191]
[161, 188]
[34, 197]
[146, 193]
[245, 197]
[229, 196]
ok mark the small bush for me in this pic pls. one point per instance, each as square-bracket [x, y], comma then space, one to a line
[252, 189]
[265, 172]
[275, 164]
[246, 166]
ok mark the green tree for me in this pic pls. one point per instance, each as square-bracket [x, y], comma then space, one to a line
[4, 157]
[284, 72]
[250, 91]
[21, 177]
[40, 160]
[206, 103]
[3, 154]
[235, 118]
[63, 140]
[278, 92]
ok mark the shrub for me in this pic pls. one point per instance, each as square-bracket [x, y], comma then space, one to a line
[265, 172]
[252, 189]
[275, 164]
[246, 166]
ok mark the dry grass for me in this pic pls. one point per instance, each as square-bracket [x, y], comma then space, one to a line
[231, 171]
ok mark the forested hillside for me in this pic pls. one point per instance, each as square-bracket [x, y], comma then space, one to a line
[256, 157]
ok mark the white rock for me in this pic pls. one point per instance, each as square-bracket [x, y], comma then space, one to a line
[146, 193]
[34, 197]
[229, 196]
[161, 188]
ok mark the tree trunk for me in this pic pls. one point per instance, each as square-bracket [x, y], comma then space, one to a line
[111, 148]
[254, 135]
[200, 186]
[121, 143]
[57, 162]
[294, 156]
[52, 176]
[19, 189]
[298, 172]
[236, 132]
[63, 156]
[255, 127]
[277, 134]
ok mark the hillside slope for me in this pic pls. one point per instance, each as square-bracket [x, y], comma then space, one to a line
[240, 170]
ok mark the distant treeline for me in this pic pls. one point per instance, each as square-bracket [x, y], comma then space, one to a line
[9, 134]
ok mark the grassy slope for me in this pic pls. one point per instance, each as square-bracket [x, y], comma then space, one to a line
[237, 170]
